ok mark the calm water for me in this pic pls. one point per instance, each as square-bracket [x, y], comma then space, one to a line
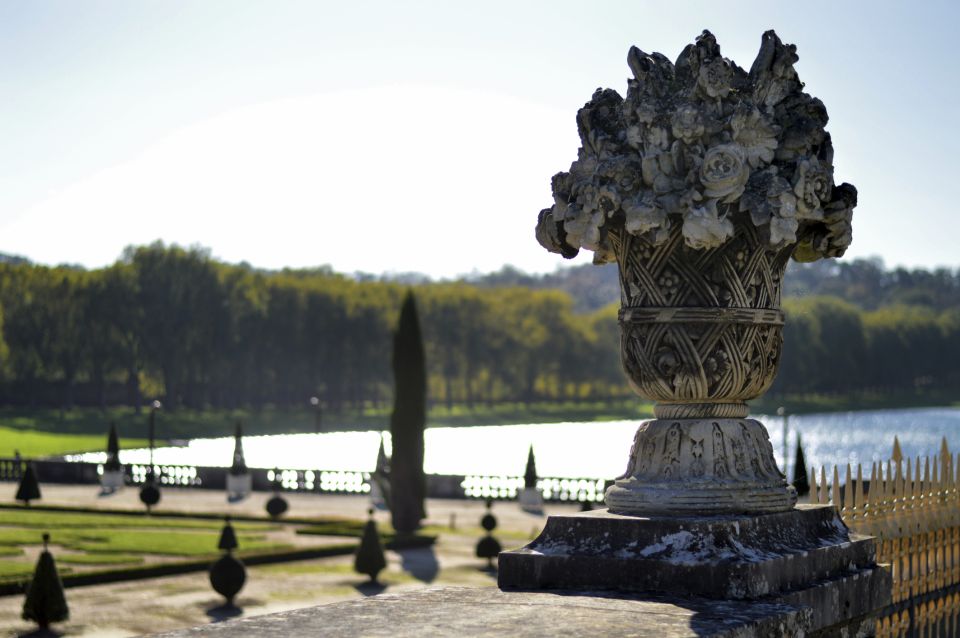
[568, 449]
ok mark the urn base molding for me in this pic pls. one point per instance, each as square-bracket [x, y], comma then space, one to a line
[698, 467]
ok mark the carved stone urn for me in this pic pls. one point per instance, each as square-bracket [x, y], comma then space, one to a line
[701, 184]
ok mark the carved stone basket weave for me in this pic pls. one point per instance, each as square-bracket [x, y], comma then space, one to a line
[701, 332]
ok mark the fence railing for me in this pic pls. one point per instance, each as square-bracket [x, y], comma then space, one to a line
[474, 486]
[912, 507]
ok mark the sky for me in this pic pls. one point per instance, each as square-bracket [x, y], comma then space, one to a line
[389, 137]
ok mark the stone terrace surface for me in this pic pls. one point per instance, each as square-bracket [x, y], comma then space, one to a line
[490, 612]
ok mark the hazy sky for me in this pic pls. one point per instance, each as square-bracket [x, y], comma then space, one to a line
[416, 136]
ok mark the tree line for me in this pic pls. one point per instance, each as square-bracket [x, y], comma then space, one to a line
[172, 323]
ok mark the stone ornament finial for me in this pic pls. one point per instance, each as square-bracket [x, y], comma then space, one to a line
[702, 146]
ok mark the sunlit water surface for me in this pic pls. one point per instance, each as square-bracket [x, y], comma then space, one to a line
[594, 450]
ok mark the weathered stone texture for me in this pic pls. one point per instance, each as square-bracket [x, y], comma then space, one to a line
[490, 612]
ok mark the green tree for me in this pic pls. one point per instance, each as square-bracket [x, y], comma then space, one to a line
[407, 422]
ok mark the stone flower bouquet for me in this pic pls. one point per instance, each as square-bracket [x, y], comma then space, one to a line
[703, 145]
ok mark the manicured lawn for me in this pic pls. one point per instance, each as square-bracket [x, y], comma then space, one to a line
[85, 541]
[33, 444]
[11, 570]
[166, 543]
[66, 520]
[99, 559]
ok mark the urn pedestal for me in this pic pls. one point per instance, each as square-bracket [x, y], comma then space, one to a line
[701, 333]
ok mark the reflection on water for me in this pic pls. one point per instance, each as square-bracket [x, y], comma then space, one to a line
[567, 449]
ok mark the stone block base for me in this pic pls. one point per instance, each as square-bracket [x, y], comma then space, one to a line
[805, 557]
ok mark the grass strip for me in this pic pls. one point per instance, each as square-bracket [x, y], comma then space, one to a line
[180, 515]
[12, 586]
[15, 586]
[35, 517]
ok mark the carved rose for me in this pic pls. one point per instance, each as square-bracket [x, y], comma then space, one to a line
[756, 135]
[687, 124]
[715, 78]
[724, 172]
[643, 214]
[812, 185]
[704, 228]
[608, 200]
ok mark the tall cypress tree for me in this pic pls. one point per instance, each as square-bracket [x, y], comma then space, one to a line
[407, 481]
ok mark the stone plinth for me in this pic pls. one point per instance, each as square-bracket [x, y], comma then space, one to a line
[805, 556]
[490, 612]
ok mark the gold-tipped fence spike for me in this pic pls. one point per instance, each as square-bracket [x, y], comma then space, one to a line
[858, 494]
[916, 491]
[823, 485]
[836, 487]
[848, 504]
[814, 489]
[897, 454]
[901, 486]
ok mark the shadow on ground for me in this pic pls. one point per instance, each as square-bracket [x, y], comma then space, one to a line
[370, 588]
[224, 612]
[421, 563]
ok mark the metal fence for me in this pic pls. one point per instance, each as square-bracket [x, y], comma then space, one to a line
[912, 507]
[474, 486]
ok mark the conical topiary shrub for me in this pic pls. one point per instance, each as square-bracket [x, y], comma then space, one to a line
[380, 480]
[112, 478]
[227, 574]
[277, 505]
[530, 473]
[488, 547]
[530, 499]
[800, 481]
[29, 488]
[239, 481]
[369, 558]
[45, 602]
[113, 450]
